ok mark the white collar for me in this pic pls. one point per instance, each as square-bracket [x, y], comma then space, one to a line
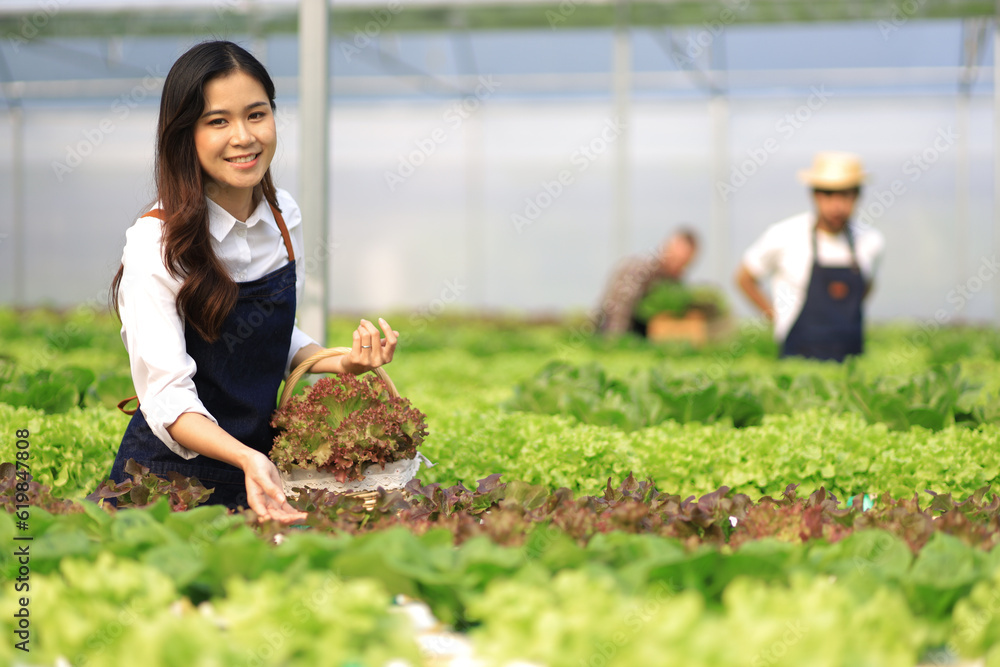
[221, 222]
[814, 220]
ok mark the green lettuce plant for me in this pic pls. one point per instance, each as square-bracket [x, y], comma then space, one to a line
[677, 299]
[343, 424]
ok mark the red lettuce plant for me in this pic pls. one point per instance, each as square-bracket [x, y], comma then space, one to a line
[343, 424]
[145, 488]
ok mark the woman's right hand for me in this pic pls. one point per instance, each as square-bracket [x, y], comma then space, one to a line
[264, 493]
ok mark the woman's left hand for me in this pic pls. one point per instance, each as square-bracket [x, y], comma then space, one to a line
[369, 350]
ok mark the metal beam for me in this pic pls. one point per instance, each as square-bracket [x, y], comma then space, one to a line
[17, 185]
[996, 155]
[719, 232]
[474, 141]
[748, 83]
[314, 56]
[974, 33]
[621, 238]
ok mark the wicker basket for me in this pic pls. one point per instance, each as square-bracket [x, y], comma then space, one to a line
[396, 474]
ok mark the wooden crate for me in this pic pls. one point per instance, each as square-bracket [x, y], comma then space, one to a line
[695, 327]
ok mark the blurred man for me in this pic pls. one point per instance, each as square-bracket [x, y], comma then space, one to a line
[634, 277]
[819, 264]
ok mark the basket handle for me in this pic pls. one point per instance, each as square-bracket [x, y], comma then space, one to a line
[303, 368]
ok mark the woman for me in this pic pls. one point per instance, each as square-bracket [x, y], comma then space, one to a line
[208, 286]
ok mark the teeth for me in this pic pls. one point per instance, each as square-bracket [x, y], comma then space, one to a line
[239, 160]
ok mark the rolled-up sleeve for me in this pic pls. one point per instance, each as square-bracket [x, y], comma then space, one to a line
[153, 333]
[299, 340]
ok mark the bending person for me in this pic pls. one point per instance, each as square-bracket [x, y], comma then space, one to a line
[635, 276]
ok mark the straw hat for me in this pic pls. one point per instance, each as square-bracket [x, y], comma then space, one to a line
[832, 170]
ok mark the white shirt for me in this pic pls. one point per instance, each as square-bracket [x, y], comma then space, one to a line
[784, 254]
[152, 330]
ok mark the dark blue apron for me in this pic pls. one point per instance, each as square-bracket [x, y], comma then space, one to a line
[237, 380]
[830, 324]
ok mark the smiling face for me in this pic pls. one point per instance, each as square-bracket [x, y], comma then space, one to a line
[235, 140]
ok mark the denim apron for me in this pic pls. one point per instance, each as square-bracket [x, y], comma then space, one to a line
[830, 324]
[237, 380]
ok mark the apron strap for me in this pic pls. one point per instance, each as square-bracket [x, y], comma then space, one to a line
[850, 244]
[159, 214]
[123, 403]
[288, 239]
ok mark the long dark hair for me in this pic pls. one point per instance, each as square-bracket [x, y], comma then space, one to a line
[207, 294]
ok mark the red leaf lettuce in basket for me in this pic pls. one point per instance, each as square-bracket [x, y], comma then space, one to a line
[343, 424]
